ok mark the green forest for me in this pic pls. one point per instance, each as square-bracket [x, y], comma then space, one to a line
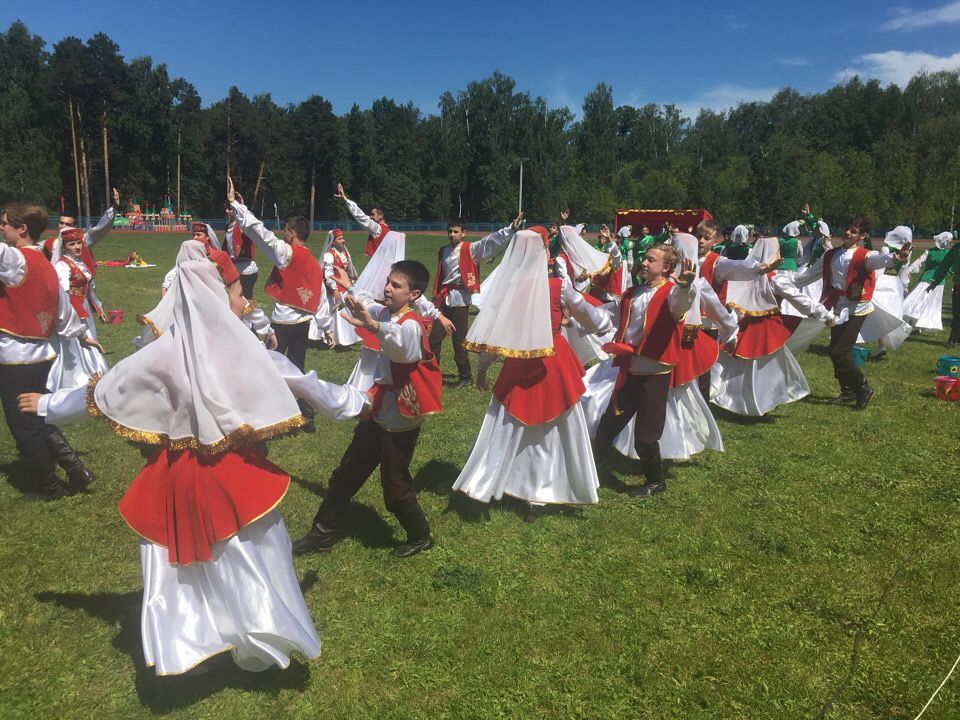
[79, 109]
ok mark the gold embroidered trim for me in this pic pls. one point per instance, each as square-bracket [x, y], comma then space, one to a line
[507, 352]
[147, 322]
[753, 313]
[243, 435]
[11, 333]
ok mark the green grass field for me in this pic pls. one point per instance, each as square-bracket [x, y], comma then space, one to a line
[811, 571]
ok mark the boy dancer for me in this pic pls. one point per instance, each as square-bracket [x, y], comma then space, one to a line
[32, 308]
[407, 388]
[458, 276]
[240, 249]
[375, 225]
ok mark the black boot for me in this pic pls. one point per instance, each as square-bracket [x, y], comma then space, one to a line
[319, 538]
[78, 475]
[654, 472]
[49, 485]
[464, 381]
[864, 393]
[847, 395]
[413, 520]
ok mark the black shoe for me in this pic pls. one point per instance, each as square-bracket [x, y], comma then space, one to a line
[648, 489]
[847, 395]
[78, 475]
[864, 393]
[463, 382]
[412, 547]
[532, 513]
[317, 539]
[877, 354]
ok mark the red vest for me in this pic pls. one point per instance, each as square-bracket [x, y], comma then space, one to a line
[707, 268]
[29, 310]
[241, 247]
[343, 265]
[611, 283]
[418, 385]
[79, 286]
[469, 274]
[373, 242]
[662, 335]
[86, 257]
[859, 281]
[299, 284]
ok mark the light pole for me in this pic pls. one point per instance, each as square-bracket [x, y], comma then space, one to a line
[520, 200]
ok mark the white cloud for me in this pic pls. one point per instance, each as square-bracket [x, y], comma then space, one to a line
[896, 66]
[724, 97]
[794, 61]
[735, 23]
[907, 19]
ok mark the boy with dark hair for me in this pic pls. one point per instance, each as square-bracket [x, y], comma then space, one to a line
[456, 279]
[32, 309]
[407, 388]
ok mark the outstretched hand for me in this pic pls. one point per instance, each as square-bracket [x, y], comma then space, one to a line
[231, 191]
[115, 196]
[564, 215]
[903, 253]
[605, 232]
[359, 316]
[90, 342]
[517, 223]
[271, 341]
[28, 402]
[447, 324]
[773, 264]
[687, 273]
[340, 194]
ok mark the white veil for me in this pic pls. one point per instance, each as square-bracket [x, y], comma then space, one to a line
[587, 261]
[515, 318]
[756, 297]
[155, 322]
[898, 237]
[214, 240]
[687, 248]
[942, 240]
[374, 276]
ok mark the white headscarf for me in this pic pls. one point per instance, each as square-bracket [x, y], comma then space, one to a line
[687, 248]
[898, 237]
[374, 276]
[214, 240]
[155, 322]
[792, 229]
[586, 260]
[625, 231]
[739, 235]
[172, 392]
[943, 240]
[824, 229]
[515, 318]
[328, 247]
[580, 228]
[756, 297]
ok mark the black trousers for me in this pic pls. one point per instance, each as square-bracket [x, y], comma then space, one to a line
[28, 429]
[460, 317]
[703, 382]
[955, 302]
[372, 446]
[646, 397]
[842, 339]
[247, 283]
[292, 342]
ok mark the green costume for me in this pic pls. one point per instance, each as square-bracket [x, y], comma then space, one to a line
[935, 258]
[788, 251]
[949, 264]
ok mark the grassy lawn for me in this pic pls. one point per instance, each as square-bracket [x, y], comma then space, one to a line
[809, 571]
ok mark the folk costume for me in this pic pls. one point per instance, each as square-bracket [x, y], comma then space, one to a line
[377, 231]
[339, 274]
[923, 308]
[739, 246]
[950, 264]
[33, 309]
[214, 551]
[790, 252]
[76, 362]
[891, 287]
[812, 252]
[242, 252]
[534, 443]
[296, 284]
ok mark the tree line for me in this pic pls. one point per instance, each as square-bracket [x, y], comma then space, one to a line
[78, 118]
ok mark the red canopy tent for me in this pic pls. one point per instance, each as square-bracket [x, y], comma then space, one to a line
[656, 219]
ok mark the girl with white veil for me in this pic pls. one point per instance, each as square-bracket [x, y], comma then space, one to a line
[339, 274]
[891, 288]
[923, 308]
[214, 551]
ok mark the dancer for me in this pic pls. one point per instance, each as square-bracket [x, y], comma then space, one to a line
[790, 251]
[214, 551]
[339, 274]
[610, 283]
[534, 442]
[923, 308]
[849, 277]
[32, 309]
[374, 224]
[950, 264]
[76, 362]
[739, 246]
[457, 277]
[890, 290]
[241, 251]
[407, 389]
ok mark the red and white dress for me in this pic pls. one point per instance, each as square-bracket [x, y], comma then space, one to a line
[76, 362]
[534, 443]
[344, 334]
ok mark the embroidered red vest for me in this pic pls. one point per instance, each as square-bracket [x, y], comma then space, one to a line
[79, 286]
[241, 247]
[859, 282]
[373, 242]
[707, 268]
[29, 310]
[299, 284]
[418, 385]
[469, 274]
[344, 265]
[662, 335]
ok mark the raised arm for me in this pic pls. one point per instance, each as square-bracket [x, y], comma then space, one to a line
[787, 289]
[495, 242]
[278, 251]
[358, 215]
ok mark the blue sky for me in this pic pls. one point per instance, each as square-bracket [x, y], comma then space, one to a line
[694, 54]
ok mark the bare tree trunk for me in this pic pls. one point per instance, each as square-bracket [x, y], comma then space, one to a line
[76, 164]
[106, 159]
[178, 174]
[256, 190]
[85, 172]
[313, 191]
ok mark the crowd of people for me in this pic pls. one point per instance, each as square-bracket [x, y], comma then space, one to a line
[622, 344]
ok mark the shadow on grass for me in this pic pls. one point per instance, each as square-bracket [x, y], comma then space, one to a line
[466, 508]
[313, 486]
[367, 527]
[720, 414]
[164, 694]
[437, 477]
[20, 475]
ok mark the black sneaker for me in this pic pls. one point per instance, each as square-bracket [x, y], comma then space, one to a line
[864, 393]
[648, 489]
[412, 547]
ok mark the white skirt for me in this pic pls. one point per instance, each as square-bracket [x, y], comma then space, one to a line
[585, 345]
[755, 387]
[547, 463]
[362, 376]
[882, 324]
[74, 365]
[246, 599]
[689, 427]
[806, 332]
[343, 332]
[924, 309]
[787, 308]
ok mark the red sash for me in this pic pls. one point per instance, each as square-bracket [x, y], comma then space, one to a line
[29, 310]
[373, 242]
[418, 385]
[859, 282]
[299, 284]
[469, 274]
[79, 286]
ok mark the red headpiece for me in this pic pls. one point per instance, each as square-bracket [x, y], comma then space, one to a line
[542, 232]
[337, 233]
[198, 227]
[228, 272]
[69, 234]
